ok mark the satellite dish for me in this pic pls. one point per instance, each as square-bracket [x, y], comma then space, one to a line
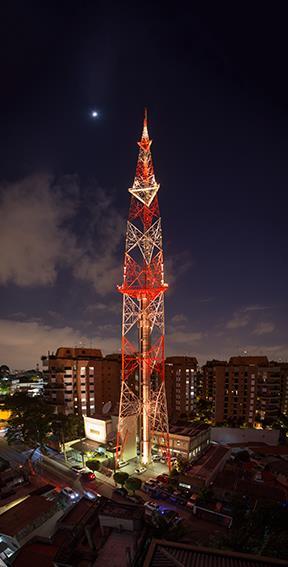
[106, 408]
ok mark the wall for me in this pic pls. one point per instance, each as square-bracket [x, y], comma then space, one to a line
[238, 435]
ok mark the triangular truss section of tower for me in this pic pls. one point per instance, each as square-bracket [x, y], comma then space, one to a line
[143, 396]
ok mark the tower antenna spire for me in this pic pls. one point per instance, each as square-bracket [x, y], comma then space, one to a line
[143, 408]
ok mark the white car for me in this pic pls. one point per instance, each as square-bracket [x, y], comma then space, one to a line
[67, 491]
[92, 495]
[151, 506]
[79, 469]
[122, 464]
[140, 470]
[156, 458]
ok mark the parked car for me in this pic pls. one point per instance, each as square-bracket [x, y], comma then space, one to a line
[79, 469]
[163, 478]
[120, 491]
[151, 506]
[136, 499]
[156, 458]
[122, 464]
[150, 483]
[71, 494]
[140, 470]
[192, 500]
[88, 476]
[92, 495]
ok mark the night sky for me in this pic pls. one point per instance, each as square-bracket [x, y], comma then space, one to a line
[214, 79]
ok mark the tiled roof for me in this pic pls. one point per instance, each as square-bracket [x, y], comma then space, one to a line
[163, 553]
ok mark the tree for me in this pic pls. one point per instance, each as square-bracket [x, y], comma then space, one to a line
[68, 427]
[93, 465]
[133, 483]
[30, 421]
[121, 477]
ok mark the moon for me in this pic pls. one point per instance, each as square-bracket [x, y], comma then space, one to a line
[94, 114]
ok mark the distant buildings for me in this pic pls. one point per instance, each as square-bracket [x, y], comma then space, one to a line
[246, 389]
[181, 384]
[81, 380]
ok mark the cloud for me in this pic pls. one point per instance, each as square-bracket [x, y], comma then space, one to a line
[48, 225]
[100, 262]
[263, 328]
[101, 307]
[255, 307]
[238, 320]
[184, 337]
[34, 238]
[176, 267]
[23, 343]
[179, 318]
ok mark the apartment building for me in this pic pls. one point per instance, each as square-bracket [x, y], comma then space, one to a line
[247, 388]
[181, 384]
[284, 387]
[81, 380]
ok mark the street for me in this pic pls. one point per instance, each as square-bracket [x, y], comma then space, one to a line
[52, 470]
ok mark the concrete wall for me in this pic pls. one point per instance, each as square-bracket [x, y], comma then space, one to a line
[238, 435]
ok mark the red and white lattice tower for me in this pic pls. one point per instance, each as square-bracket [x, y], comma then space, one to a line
[143, 397]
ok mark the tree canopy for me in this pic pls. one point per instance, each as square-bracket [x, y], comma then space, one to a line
[133, 483]
[30, 421]
[121, 477]
[93, 465]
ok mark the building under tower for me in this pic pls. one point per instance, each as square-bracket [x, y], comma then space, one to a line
[143, 408]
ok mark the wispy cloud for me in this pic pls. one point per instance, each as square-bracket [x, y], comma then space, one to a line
[38, 233]
[264, 328]
[34, 236]
[255, 307]
[22, 343]
[179, 318]
[238, 320]
[102, 307]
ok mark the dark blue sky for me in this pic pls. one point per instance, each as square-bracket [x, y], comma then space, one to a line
[215, 84]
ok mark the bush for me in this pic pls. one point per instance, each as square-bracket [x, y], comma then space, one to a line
[93, 465]
[121, 477]
[133, 483]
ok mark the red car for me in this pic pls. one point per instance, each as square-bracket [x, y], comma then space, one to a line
[88, 476]
[163, 478]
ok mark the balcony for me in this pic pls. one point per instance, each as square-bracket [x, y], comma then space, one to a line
[49, 387]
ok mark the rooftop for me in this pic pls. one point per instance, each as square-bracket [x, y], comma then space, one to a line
[249, 361]
[189, 430]
[209, 461]
[23, 514]
[79, 513]
[75, 352]
[117, 510]
[114, 550]
[163, 553]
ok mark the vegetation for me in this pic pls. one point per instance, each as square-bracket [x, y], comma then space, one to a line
[68, 427]
[120, 477]
[30, 420]
[262, 531]
[93, 465]
[133, 483]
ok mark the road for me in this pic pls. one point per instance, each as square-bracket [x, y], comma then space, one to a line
[57, 472]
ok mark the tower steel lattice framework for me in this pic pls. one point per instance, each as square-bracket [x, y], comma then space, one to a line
[143, 331]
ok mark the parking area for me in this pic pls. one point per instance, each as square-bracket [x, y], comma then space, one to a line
[152, 471]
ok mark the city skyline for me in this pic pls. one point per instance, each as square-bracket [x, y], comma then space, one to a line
[218, 115]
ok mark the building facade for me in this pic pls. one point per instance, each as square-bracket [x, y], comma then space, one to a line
[187, 441]
[284, 387]
[81, 380]
[246, 389]
[181, 385]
